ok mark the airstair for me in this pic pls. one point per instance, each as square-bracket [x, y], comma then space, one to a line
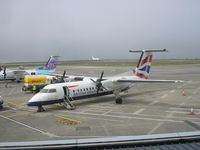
[67, 99]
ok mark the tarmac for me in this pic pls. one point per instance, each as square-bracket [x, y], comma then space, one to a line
[147, 108]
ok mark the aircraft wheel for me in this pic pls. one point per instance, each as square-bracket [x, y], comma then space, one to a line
[118, 101]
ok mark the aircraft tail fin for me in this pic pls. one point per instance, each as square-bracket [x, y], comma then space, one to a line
[144, 64]
[50, 65]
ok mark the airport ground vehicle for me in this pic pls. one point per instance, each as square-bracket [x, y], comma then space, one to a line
[37, 81]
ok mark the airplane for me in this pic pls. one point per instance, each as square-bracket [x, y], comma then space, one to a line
[92, 87]
[8, 74]
[95, 58]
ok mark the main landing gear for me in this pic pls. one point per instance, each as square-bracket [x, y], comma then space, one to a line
[118, 98]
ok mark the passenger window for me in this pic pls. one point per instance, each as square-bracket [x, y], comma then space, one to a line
[83, 89]
[74, 91]
[90, 89]
[86, 89]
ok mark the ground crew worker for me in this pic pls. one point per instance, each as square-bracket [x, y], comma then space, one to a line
[6, 84]
[34, 89]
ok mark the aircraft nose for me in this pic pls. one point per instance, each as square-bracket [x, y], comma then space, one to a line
[36, 100]
[32, 101]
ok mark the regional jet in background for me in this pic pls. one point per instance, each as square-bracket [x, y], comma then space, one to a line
[92, 87]
[8, 74]
[95, 58]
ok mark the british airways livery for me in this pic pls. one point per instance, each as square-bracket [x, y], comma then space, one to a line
[90, 87]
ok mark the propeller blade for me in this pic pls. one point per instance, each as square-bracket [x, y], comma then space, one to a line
[98, 88]
[103, 87]
[62, 78]
[64, 74]
[101, 75]
[93, 80]
[4, 72]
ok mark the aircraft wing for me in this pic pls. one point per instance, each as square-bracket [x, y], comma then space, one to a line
[149, 81]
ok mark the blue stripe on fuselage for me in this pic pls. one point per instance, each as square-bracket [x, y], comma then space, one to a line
[38, 103]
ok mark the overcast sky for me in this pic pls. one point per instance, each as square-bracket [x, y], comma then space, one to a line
[31, 30]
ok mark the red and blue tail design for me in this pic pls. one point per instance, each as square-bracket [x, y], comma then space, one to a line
[144, 64]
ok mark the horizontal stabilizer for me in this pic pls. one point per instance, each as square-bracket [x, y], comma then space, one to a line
[153, 50]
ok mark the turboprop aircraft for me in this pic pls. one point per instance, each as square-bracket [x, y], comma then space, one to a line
[8, 74]
[91, 87]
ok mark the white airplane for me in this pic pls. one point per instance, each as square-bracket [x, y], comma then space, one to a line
[91, 87]
[95, 58]
[8, 74]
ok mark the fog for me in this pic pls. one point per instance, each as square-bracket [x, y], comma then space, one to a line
[31, 30]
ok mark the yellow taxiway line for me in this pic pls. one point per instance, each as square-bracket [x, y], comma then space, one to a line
[76, 121]
[13, 104]
[21, 114]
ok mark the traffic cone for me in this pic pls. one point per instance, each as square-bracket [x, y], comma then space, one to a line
[183, 93]
[192, 110]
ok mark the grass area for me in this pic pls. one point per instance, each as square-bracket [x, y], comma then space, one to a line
[106, 63]
[175, 62]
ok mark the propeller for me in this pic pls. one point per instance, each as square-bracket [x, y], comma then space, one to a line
[98, 82]
[4, 72]
[60, 79]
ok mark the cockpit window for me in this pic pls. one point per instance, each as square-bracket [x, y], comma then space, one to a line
[52, 91]
[44, 91]
[48, 91]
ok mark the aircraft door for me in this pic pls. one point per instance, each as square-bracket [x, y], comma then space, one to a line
[66, 90]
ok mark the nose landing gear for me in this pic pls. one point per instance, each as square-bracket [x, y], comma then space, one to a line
[40, 108]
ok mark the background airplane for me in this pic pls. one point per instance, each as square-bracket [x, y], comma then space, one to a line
[91, 87]
[8, 74]
[95, 58]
